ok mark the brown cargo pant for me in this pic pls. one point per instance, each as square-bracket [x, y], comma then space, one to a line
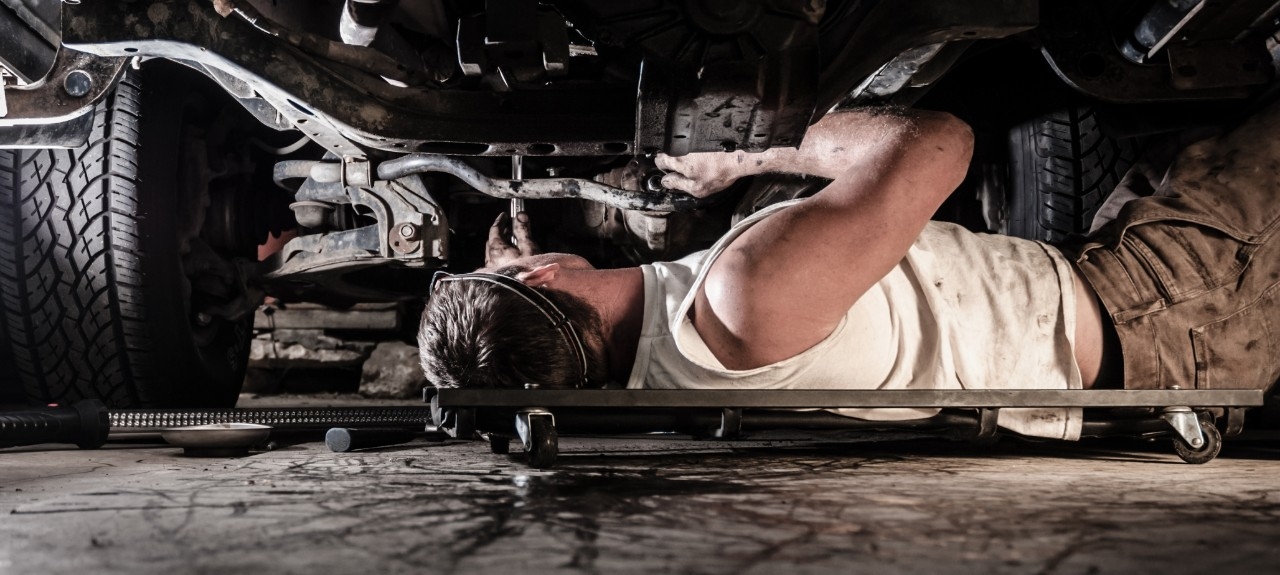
[1190, 275]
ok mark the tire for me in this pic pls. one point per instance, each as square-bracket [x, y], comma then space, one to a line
[1061, 169]
[93, 297]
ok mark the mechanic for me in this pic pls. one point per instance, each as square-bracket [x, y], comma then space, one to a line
[855, 287]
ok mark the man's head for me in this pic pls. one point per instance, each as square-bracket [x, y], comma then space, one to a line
[478, 333]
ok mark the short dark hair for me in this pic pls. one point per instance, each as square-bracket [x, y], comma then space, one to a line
[479, 335]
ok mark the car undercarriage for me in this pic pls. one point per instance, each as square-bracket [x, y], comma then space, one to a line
[170, 163]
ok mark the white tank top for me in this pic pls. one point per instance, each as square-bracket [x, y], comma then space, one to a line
[960, 311]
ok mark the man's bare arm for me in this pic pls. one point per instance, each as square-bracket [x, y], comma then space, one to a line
[784, 285]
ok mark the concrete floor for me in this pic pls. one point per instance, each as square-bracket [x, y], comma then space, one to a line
[645, 506]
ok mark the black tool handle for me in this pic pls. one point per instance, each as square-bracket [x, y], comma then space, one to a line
[343, 439]
[85, 424]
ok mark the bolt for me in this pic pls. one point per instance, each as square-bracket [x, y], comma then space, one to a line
[653, 183]
[77, 83]
[203, 319]
[407, 231]
[1197, 442]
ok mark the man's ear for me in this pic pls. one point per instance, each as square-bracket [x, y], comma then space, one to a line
[541, 275]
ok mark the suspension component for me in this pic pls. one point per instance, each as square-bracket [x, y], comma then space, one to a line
[662, 201]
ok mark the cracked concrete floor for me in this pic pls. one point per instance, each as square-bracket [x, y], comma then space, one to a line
[645, 506]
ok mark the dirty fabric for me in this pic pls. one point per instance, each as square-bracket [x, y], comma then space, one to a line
[1189, 268]
[960, 311]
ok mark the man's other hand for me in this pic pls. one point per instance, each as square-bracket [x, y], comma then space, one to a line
[499, 251]
[706, 173]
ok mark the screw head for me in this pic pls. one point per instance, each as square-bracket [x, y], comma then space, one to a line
[77, 83]
[408, 230]
[1197, 442]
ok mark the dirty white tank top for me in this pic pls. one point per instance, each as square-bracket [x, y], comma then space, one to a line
[961, 311]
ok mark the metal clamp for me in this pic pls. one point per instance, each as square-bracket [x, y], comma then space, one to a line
[1185, 423]
[356, 172]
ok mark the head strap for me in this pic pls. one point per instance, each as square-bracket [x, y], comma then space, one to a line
[535, 298]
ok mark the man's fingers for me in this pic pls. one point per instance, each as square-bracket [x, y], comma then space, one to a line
[675, 181]
[524, 237]
[498, 248]
[498, 231]
[520, 228]
[667, 163]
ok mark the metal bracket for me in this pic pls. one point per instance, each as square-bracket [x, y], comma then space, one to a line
[315, 96]
[411, 231]
[987, 418]
[1235, 421]
[730, 424]
[459, 423]
[1084, 55]
[524, 416]
[1185, 423]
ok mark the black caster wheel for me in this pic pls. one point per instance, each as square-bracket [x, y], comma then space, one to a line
[543, 443]
[499, 444]
[1203, 454]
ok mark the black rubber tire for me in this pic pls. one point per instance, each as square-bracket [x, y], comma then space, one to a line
[1206, 453]
[1061, 169]
[544, 443]
[94, 300]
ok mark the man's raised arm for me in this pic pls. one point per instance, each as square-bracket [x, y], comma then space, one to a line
[784, 284]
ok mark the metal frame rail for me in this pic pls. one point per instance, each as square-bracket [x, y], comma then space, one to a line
[536, 416]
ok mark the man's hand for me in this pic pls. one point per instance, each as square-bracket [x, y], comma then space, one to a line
[499, 251]
[703, 174]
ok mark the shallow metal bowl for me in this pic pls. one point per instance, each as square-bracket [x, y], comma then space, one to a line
[217, 438]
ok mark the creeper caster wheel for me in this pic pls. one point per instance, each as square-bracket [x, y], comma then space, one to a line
[544, 443]
[537, 430]
[1206, 452]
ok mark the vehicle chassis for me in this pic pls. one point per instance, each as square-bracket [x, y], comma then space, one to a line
[536, 416]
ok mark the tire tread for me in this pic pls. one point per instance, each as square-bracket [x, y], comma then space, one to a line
[70, 262]
[1063, 167]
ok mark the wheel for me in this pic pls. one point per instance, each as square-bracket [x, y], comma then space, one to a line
[103, 274]
[499, 444]
[1061, 169]
[544, 443]
[1204, 454]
